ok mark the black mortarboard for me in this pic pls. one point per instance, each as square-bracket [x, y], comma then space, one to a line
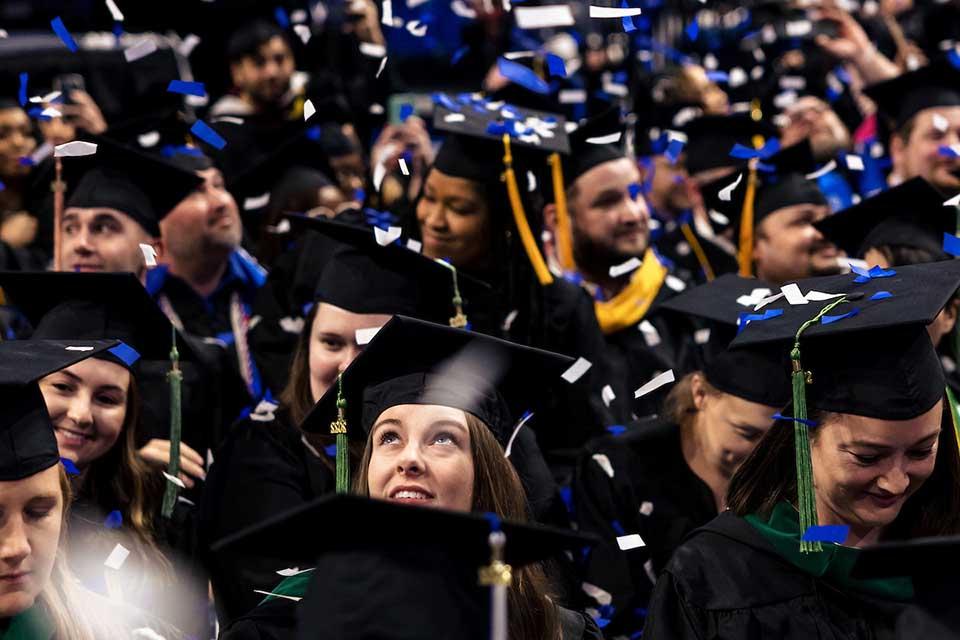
[584, 154]
[364, 276]
[934, 85]
[93, 306]
[710, 139]
[140, 186]
[415, 362]
[164, 133]
[655, 119]
[786, 185]
[910, 215]
[419, 580]
[871, 355]
[759, 374]
[27, 442]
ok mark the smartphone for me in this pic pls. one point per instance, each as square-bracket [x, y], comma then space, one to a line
[68, 82]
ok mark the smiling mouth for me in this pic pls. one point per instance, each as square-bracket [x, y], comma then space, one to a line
[74, 438]
[410, 495]
[14, 577]
[886, 501]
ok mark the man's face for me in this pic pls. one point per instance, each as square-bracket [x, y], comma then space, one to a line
[919, 155]
[102, 239]
[15, 142]
[788, 247]
[668, 189]
[265, 76]
[609, 225]
[206, 220]
[812, 118]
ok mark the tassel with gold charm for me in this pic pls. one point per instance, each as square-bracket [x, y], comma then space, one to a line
[175, 379]
[498, 576]
[459, 319]
[338, 428]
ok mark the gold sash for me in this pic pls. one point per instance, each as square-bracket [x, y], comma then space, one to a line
[628, 307]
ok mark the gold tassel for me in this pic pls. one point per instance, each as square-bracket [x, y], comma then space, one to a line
[698, 251]
[564, 238]
[745, 251]
[520, 218]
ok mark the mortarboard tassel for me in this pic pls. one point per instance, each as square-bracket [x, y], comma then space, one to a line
[175, 378]
[564, 233]
[520, 218]
[698, 251]
[954, 414]
[459, 319]
[745, 250]
[58, 187]
[806, 499]
[498, 576]
[339, 428]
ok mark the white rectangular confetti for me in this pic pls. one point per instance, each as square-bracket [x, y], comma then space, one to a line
[632, 541]
[854, 163]
[373, 50]
[618, 270]
[74, 149]
[664, 378]
[386, 237]
[793, 294]
[175, 480]
[607, 395]
[114, 10]
[543, 17]
[140, 50]
[940, 123]
[576, 370]
[117, 557]
[364, 336]
[414, 245]
[613, 12]
[277, 595]
[572, 96]
[610, 138]
[308, 110]
[726, 193]
[650, 334]
[386, 13]
[403, 167]
[149, 254]
[256, 202]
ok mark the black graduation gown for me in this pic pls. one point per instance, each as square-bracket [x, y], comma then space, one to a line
[727, 581]
[263, 468]
[651, 492]
[675, 247]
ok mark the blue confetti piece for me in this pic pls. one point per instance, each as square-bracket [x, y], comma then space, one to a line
[331, 451]
[187, 88]
[203, 131]
[635, 189]
[117, 30]
[628, 25]
[37, 114]
[836, 533]
[954, 58]
[555, 66]
[22, 95]
[843, 316]
[747, 318]
[170, 151]
[26, 161]
[617, 429]
[314, 133]
[444, 100]
[523, 76]
[406, 110]
[693, 30]
[618, 528]
[674, 149]
[458, 55]
[881, 295]
[307, 308]
[875, 272]
[947, 152]
[127, 354]
[780, 416]
[743, 152]
[718, 76]
[281, 17]
[498, 129]
[61, 30]
[69, 466]
[114, 520]
[566, 494]
[2, 186]
[359, 195]
[951, 244]
[493, 519]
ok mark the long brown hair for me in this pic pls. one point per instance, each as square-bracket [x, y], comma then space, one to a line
[769, 476]
[497, 489]
[296, 397]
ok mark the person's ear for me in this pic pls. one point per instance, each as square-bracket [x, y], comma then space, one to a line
[549, 229]
[159, 248]
[698, 390]
[898, 147]
[236, 73]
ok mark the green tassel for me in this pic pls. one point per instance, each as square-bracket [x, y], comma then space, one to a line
[339, 428]
[806, 497]
[954, 414]
[175, 378]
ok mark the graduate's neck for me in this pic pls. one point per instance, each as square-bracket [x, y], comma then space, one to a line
[858, 536]
[710, 474]
[202, 270]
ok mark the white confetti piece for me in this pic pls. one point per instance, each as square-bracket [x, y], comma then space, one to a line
[650, 334]
[768, 300]
[820, 296]
[292, 325]
[613, 12]
[176, 481]
[117, 557]
[576, 370]
[940, 123]
[256, 202]
[454, 117]
[386, 13]
[140, 50]
[50, 112]
[727, 192]
[303, 32]
[292, 571]
[462, 10]
[188, 45]
[403, 167]
[822, 171]
[228, 119]
[383, 63]
[618, 270]
[607, 395]
[148, 139]
[701, 336]
[718, 217]
[797, 83]
[572, 96]
[675, 283]
[793, 294]
[610, 138]
[631, 541]
[78, 348]
[798, 28]
[414, 245]
[531, 182]
[953, 202]
[386, 237]
[308, 110]
[516, 431]
[604, 462]
[74, 149]
[364, 336]
[149, 254]
[646, 508]
[854, 163]
[379, 173]
[114, 10]
[508, 321]
[737, 78]
[416, 28]
[278, 595]
[602, 597]
[664, 378]
[755, 296]
[4, 34]
[543, 17]
[373, 50]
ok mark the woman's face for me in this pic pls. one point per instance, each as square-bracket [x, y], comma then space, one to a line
[421, 454]
[333, 343]
[454, 220]
[31, 513]
[729, 427]
[864, 469]
[15, 142]
[87, 404]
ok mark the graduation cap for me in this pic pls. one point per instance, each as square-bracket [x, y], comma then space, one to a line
[93, 306]
[488, 136]
[865, 352]
[395, 570]
[164, 133]
[908, 215]
[27, 442]
[726, 303]
[136, 184]
[710, 139]
[934, 85]
[363, 276]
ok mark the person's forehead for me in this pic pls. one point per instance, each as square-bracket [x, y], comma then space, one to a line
[91, 213]
[929, 117]
[423, 414]
[274, 45]
[608, 174]
[13, 115]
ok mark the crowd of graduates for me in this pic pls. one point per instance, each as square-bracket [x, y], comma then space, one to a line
[393, 319]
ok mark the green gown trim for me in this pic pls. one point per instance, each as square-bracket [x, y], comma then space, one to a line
[293, 586]
[31, 624]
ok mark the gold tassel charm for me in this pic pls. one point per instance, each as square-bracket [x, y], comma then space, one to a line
[338, 428]
[498, 576]
[459, 319]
